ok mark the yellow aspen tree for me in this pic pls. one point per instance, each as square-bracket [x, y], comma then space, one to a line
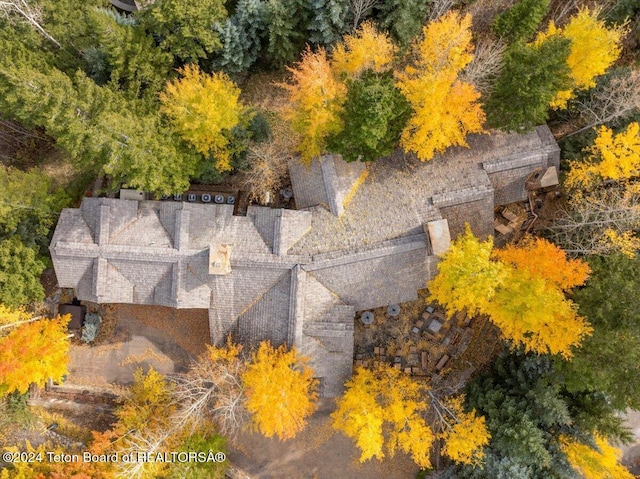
[468, 278]
[522, 298]
[591, 463]
[594, 48]
[204, 109]
[533, 313]
[464, 434]
[31, 351]
[446, 109]
[612, 157]
[359, 414]
[281, 392]
[383, 410]
[316, 99]
[367, 49]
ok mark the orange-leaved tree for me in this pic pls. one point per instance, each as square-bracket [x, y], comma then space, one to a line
[281, 392]
[316, 98]
[204, 109]
[445, 108]
[594, 463]
[384, 408]
[32, 350]
[594, 48]
[524, 298]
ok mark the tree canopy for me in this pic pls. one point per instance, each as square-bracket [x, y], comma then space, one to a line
[31, 351]
[204, 109]
[445, 109]
[523, 298]
[280, 391]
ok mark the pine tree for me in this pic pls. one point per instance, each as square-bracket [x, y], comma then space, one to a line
[100, 129]
[286, 29]
[532, 75]
[520, 22]
[241, 38]
[403, 19]
[184, 27]
[374, 115]
[327, 21]
[131, 60]
[609, 360]
[28, 205]
[20, 270]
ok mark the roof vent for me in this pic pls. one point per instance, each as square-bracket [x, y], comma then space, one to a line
[367, 318]
[393, 310]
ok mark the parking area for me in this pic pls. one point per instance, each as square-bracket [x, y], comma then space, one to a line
[138, 336]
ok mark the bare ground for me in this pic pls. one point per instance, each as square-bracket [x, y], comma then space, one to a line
[318, 452]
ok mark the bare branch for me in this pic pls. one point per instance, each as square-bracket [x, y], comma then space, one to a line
[28, 12]
[269, 159]
[439, 8]
[581, 228]
[360, 9]
[619, 98]
[485, 66]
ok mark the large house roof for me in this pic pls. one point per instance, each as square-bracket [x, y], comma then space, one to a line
[362, 238]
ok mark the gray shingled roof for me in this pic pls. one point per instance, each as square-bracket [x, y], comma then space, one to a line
[297, 277]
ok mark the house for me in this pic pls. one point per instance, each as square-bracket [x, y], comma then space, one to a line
[361, 238]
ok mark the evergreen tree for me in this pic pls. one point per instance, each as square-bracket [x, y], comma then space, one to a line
[28, 205]
[402, 18]
[529, 414]
[99, 128]
[20, 270]
[609, 361]
[126, 56]
[374, 115]
[241, 37]
[287, 24]
[531, 77]
[521, 21]
[328, 21]
[185, 28]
